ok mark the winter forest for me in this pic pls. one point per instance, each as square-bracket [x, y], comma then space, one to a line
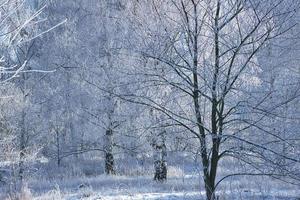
[149, 99]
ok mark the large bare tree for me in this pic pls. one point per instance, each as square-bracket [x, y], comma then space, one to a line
[208, 52]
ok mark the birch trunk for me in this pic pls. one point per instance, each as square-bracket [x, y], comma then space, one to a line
[108, 149]
[160, 157]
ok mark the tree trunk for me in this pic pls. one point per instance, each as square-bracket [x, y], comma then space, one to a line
[108, 148]
[210, 194]
[58, 148]
[160, 155]
[216, 117]
[22, 146]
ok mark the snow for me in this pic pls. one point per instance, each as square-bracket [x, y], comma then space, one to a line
[144, 188]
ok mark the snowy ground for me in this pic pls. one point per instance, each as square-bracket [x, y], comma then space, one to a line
[143, 188]
[184, 183]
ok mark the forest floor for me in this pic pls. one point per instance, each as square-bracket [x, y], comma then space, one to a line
[85, 181]
[144, 188]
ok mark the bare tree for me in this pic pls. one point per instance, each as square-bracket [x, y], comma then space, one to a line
[209, 52]
[20, 28]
